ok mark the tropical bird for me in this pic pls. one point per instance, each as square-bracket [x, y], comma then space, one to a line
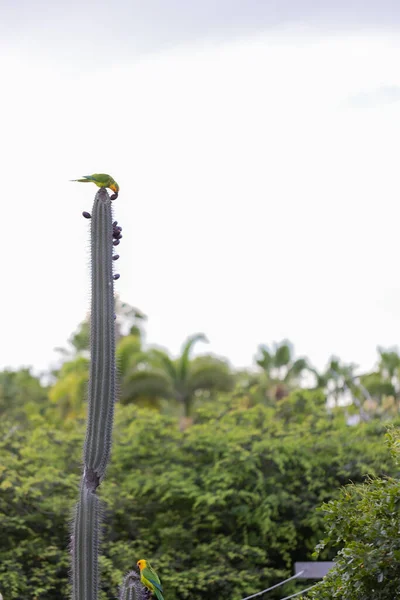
[149, 578]
[101, 180]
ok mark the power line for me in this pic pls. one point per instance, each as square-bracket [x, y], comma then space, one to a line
[275, 586]
[302, 592]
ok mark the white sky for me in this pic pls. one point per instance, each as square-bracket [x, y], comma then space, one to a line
[259, 190]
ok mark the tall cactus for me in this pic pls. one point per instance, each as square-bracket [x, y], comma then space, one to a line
[101, 395]
[101, 399]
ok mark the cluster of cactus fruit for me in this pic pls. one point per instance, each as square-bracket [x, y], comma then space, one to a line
[85, 535]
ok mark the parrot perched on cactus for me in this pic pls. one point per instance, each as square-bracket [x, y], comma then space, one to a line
[101, 180]
[150, 579]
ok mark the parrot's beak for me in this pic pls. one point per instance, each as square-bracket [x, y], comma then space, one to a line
[115, 188]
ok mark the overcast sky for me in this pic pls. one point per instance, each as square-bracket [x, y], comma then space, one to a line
[256, 145]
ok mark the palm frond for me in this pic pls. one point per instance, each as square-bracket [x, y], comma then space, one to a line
[160, 359]
[283, 354]
[149, 383]
[184, 361]
[127, 353]
[295, 370]
[209, 373]
[264, 358]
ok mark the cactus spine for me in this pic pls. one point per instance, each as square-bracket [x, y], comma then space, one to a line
[101, 399]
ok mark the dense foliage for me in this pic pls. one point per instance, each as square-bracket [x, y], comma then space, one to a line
[365, 522]
[224, 479]
[223, 508]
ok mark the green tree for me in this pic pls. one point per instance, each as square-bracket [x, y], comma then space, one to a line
[179, 380]
[364, 522]
[68, 392]
[231, 505]
[281, 370]
[38, 480]
[389, 365]
[337, 379]
[342, 386]
[19, 390]
[133, 359]
[383, 384]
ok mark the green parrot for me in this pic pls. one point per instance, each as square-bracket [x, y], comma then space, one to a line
[149, 578]
[101, 180]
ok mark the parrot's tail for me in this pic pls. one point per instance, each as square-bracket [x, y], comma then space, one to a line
[81, 180]
[158, 594]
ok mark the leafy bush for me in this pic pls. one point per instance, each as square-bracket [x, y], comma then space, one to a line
[365, 521]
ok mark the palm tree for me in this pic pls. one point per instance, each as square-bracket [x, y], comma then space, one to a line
[179, 380]
[370, 392]
[132, 358]
[389, 364]
[339, 380]
[383, 384]
[281, 371]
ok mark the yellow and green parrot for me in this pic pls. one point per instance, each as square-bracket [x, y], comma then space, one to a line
[150, 579]
[101, 180]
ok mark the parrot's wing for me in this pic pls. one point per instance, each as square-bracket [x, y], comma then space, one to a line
[153, 573]
[100, 177]
[152, 576]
